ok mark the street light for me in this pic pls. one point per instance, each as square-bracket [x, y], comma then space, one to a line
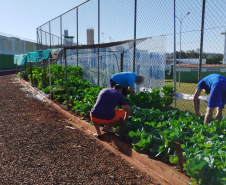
[224, 60]
[181, 21]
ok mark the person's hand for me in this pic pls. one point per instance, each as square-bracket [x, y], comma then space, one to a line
[198, 114]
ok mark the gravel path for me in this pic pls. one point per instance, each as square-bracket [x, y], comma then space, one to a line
[36, 147]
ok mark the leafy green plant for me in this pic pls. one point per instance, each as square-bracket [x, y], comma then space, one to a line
[146, 100]
[168, 93]
[153, 127]
[153, 99]
[154, 132]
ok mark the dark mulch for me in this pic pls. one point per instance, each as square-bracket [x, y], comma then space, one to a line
[36, 147]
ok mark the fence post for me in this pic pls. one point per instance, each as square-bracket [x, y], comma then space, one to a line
[52, 42]
[201, 43]
[37, 37]
[77, 35]
[135, 35]
[61, 36]
[201, 39]
[46, 40]
[50, 93]
[98, 73]
[44, 74]
[61, 31]
[31, 72]
[122, 56]
[65, 60]
[50, 35]
[41, 39]
[16, 69]
[174, 56]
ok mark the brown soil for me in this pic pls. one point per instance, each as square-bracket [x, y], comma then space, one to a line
[36, 147]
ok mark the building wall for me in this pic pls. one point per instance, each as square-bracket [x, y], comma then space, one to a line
[191, 76]
[10, 46]
[191, 60]
[214, 69]
[6, 62]
[14, 46]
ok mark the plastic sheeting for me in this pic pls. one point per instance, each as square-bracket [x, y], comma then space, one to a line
[150, 60]
[20, 60]
[189, 97]
[101, 61]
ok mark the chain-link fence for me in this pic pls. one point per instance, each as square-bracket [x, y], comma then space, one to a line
[98, 21]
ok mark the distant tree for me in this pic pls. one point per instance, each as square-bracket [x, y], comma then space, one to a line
[215, 59]
[193, 53]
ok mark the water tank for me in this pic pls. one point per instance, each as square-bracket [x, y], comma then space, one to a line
[90, 36]
[66, 33]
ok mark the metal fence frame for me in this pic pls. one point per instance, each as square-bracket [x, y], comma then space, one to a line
[135, 15]
[40, 45]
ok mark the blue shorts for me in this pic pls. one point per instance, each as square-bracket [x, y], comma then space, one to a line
[217, 95]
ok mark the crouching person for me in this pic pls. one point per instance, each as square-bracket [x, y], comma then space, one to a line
[104, 110]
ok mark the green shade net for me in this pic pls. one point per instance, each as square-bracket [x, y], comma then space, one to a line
[38, 56]
[33, 57]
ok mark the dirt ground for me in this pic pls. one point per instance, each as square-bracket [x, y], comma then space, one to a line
[36, 147]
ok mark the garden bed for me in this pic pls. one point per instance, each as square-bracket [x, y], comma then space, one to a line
[37, 146]
[153, 127]
[161, 172]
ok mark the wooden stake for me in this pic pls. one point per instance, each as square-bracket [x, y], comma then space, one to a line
[180, 156]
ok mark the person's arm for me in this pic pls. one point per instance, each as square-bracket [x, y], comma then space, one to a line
[195, 101]
[127, 112]
[123, 122]
[130, 83]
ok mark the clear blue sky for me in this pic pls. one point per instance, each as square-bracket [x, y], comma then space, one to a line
[154, 17]
[22, 17]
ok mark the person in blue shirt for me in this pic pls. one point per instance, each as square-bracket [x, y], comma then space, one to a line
[126, 80]
[215, 86]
